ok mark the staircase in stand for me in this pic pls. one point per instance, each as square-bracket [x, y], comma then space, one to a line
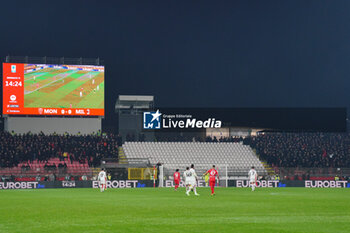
[122, 157]
[95, 171]
[269, 169]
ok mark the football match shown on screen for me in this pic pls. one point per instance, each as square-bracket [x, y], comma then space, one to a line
[42, 89]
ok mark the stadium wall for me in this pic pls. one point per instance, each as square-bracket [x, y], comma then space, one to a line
[51, 125]
[131, 124]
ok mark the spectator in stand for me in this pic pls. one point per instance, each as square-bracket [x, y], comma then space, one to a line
[16, 148]
[303, 149]
[52, 177]
[323, 150]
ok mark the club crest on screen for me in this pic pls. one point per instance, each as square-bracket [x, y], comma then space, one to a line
[13, 68]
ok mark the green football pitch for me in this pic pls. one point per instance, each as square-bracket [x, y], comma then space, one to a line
[164, 210]
[59, 88]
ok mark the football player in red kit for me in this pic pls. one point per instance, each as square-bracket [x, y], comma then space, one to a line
[177, 178]
[212, 175]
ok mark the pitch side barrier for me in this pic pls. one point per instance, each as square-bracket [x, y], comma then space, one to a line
[44, 184]
[74, 184]
[115, 184]
[275, 183]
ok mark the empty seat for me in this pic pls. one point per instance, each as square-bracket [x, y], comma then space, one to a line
[181, 154]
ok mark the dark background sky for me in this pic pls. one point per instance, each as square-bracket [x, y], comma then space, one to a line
[196, 53]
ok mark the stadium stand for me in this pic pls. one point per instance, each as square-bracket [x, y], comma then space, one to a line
[236, 156]
[30, 155]
[304, 156]
[303, 149]
[167, 137]
[291, 155]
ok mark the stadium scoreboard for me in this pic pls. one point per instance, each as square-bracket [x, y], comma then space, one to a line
[56, 90]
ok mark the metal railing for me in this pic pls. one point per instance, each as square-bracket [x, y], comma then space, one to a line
[57, 173]
[54, 60]
[311, 172]
[223, 169]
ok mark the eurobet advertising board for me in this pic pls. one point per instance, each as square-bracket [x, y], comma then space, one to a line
[57, 90]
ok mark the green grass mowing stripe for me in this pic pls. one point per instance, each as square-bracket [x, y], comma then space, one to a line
[34, 95]
[31, 75]
[39, 72]
[42, 71]
[102, 104]
[93, 99]
[52, 99]
[28, 81]
[45, 76]
[164, 210]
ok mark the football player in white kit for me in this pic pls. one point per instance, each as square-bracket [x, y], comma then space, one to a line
[102, 177]
[186, 179]
[192, 181]
[253, 175]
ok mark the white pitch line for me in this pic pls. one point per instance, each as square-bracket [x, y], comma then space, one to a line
[66, 75]
[33, 77]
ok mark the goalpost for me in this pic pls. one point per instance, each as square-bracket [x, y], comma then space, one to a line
[200, 169]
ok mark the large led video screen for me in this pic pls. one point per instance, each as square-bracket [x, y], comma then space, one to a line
[42, 89]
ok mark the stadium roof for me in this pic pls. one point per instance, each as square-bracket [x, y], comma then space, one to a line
[136, 98]
[134, 102]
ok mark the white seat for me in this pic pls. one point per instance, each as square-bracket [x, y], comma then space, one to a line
[177, 154]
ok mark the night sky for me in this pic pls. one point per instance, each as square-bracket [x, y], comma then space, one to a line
[196, 53]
